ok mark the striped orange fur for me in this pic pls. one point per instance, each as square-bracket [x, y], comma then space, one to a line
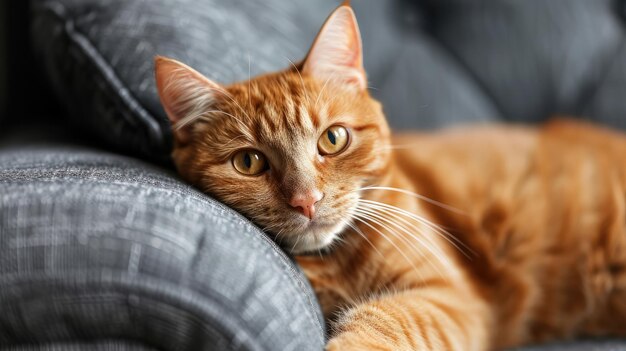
[477, 239]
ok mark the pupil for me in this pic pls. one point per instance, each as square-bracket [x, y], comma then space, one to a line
[331, 137]
[247, 160]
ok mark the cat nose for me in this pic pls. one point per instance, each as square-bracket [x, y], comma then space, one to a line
[305, 202]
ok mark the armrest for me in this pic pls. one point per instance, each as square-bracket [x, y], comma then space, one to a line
[95, 246]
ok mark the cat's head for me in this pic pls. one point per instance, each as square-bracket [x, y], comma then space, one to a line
[289, 150]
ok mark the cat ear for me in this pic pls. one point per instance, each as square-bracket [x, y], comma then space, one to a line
[185, 94]
[336, 52]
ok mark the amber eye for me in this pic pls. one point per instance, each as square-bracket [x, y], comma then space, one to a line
[249, 162]
[334, 140]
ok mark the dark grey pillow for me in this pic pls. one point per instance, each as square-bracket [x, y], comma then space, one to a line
[99, 54]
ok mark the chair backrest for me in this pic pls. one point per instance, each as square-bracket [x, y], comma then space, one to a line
[435, 62]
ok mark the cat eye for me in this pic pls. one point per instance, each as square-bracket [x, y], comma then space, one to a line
[333, 141]
[250, 162]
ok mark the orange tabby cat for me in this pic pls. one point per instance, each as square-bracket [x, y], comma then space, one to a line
[534, 247]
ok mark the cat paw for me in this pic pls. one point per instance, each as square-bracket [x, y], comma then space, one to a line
[337, 345]
[350, 344]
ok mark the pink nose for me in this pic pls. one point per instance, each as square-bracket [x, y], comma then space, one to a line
[305, 202]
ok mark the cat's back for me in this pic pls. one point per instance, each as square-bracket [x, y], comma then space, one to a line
[465, 164]
[460, 166]
[544, 212]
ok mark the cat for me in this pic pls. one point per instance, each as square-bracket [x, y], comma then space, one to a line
[479, 239]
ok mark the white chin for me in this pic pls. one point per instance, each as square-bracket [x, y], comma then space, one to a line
[313, 239]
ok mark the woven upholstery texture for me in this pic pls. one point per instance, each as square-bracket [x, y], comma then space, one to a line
[95, 246]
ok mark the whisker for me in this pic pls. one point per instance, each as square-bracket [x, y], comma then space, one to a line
[358, 231]
[338, 239]
[322, 90]
[373, 216]
[431, 246]
[436, 228]
[233, 139]
[363, 220]
[418, 196]
[296, 242]
[439, 257]
[382, 212]
[278, 237]
[306, 92]
[270, 227]
[249, 83]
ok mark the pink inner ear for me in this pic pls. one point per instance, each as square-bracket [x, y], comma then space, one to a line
[336, 53]
[185, 93]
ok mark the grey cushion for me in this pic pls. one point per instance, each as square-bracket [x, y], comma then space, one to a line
[99, 54]
[97, 247]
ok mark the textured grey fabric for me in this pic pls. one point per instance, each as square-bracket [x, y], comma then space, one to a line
[96, 247]
[106, 345]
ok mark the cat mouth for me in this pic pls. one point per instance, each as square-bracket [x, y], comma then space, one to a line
[319, 233]
[315, 236]
[319, 223]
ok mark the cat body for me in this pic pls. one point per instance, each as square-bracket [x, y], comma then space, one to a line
[467, 239]
[538, 252]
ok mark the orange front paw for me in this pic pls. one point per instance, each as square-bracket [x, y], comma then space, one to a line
[337, 344]
[351, 342]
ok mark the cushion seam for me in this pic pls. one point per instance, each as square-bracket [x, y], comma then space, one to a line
[108, 74]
